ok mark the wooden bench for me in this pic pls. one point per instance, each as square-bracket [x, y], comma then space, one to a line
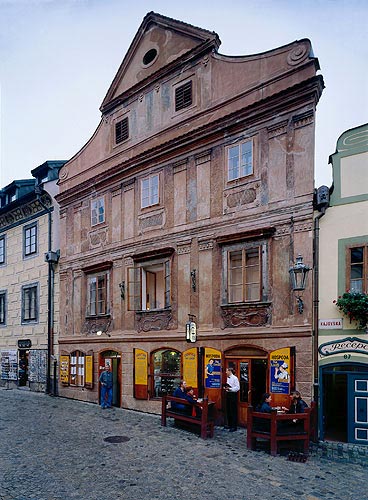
[201, 419]
[277, 427]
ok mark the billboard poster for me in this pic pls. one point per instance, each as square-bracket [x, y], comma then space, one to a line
[212, 371]
[9, 365]
[190, 364]
[280, 371]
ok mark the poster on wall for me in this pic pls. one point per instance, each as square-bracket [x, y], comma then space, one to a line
[212, 368]
[37, 361]
[64, 369]
[190, 367]
[280, 371]
[9, 365]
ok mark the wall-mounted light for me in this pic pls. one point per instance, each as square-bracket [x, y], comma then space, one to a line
[122, 289]
[193, 277]
[298, 276]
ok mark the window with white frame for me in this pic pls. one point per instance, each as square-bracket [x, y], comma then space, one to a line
[245, 272]
[2, 308]
[77, 368]
[150, 191]
[358, 268]
[30, 303]
[240, 160]
[149, 285]
[97, 211]
[98, 294]
[30, 239]
[2, 249]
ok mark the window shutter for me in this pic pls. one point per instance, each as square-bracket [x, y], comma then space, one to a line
[183, 96]
[121, 130]
[140, 374]
[134, 288]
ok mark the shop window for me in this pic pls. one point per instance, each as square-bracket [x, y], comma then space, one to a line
[2, 250]
[30, 303]
[150, 191]
[149, 285]
[2, 308]
[166, 371]
[240, 160]
[77, 368]
[245, 272]
[98, 294]
[30, 240]
[358, 268]
[97, 211]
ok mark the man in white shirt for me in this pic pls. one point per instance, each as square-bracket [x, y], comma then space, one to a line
[232, 388]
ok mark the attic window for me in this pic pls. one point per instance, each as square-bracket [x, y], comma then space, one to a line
[149, 57]
[121, 130]
[183, 96]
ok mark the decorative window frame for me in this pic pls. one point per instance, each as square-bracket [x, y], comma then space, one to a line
[106, 273]
[95, 206]
[238, 144]
[155, 202]
[26, 229]
[36, 295]
[364, 264]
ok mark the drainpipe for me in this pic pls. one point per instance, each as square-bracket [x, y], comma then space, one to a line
[50, 288]
[322, 198]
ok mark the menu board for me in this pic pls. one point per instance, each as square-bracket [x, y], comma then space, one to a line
[9, 365]
[37, 362]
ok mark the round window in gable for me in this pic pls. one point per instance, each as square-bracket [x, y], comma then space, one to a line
[149, 57]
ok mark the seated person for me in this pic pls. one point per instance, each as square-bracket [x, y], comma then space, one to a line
[189, 396]
[179, 393]
[297, 403]
[264, 406]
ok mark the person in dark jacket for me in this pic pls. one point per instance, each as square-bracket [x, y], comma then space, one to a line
[106, 387]
[265, 406]
[179, 393]
[297, 403]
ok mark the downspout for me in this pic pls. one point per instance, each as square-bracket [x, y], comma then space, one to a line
[50, 290]
[322, 197]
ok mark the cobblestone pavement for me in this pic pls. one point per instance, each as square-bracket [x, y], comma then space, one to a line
[56, 449]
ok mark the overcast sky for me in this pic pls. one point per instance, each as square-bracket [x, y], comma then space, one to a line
[58, 59]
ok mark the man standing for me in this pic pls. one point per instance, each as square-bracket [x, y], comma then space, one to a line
[106, 387]
[232, 388]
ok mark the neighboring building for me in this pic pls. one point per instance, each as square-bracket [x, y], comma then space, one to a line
[29, 219]
[193, 197]
[343, 266]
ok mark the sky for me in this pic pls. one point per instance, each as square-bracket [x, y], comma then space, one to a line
[59, 57]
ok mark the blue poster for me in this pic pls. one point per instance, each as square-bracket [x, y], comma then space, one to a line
[212, 373]
[280, 371]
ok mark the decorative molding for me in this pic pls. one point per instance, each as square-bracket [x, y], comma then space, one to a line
[202, 157]
[78, 273]
[205, 60]
[205, 245]
[98, 238]
[183, 249]
[153, 320]
[179, 166]
[304, 226]
[25, 211]
[243, 197]
[155, 220]
[157, 88]
[245, 315]
[353, 140]
[141, 97]
[93, 325]
[128, 262]
[278, 129]
[63, 173]
[298, 54]
[303, 120]
[127, 185]
[283, 230]
[116, 191]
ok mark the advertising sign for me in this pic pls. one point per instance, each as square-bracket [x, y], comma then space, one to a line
[280, 371]
[212, 372]
[346, 345]
[141, 364]
[64, 369]
[9, 365]
[190, 367]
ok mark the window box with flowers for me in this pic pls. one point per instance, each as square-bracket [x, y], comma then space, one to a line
[354, 305]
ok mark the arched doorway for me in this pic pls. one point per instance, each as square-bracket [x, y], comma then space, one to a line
[113, 359]
[250, 365]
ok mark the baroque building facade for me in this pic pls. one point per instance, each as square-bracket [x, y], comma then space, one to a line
[186, 209]
[29, 220]
[343, 272]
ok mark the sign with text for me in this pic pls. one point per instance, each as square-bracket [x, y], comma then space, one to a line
[212, 372]
[280, 371]
[9, 365]
[346, 345]
[190, 367]
[330, 324]
[64, 369]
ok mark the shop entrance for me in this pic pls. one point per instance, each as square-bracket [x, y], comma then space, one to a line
[252, 375]
[23, 367]
[344, 402]
[113, 359]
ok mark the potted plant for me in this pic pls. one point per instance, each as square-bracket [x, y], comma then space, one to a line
[355, 306]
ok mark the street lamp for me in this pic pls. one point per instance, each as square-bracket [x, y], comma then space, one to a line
[298, 276]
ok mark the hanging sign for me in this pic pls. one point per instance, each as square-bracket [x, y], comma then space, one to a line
[280, 371]
[212, 371]
[191, 331]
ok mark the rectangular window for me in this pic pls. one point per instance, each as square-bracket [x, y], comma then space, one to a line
[2, 308]
[121, 130]
[240, 160]
[244, 275]
[358, 268]
[97, 211]
[149, 191]
[98, 294]
[149, 286]
[30, 240]
[77, 368]
[2, 249]
[30, 303]
[183, 96]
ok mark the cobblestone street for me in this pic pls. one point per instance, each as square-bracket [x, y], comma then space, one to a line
[56, 449]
